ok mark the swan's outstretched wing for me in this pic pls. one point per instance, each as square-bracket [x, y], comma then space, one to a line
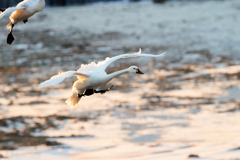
[10, 10]
[104, 64]
[61, 76]
[152, 55]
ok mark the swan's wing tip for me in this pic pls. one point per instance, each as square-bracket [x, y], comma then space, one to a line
[160, 55]
[40, 86]
[163, 54]
[139, 52]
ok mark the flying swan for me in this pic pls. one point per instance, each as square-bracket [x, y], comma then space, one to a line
[92, 77]
[21, 12]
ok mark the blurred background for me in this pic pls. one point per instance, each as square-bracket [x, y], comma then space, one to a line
[5, 3]
[186, 105]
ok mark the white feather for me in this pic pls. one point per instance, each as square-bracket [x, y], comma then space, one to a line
[54, 80]
[31, 7]
[10, 10]
[102, 65]
[94, 75]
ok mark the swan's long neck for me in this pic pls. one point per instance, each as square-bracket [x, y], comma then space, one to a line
[115, 74]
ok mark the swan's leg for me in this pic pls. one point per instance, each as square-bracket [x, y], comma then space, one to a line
[25, 21]
[88, 92]
[10, 37]
[103, 91]
[80, 95]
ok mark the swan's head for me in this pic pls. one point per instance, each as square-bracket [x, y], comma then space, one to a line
[135, 69]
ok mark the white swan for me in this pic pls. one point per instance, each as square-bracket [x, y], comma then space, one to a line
[92, 77]
[21, 12]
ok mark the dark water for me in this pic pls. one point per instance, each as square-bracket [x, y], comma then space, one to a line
[8, 3]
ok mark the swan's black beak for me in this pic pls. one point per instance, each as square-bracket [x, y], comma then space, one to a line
[139, 72]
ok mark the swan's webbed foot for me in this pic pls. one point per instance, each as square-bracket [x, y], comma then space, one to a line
[103, 91]
[80, 95]
[25, 21]
[10, 37]
[88, 92]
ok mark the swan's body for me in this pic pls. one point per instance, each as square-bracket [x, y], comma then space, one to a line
[21, 12]
[92, 77]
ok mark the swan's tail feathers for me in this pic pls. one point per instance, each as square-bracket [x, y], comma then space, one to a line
[9, 26]
[73, 100]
